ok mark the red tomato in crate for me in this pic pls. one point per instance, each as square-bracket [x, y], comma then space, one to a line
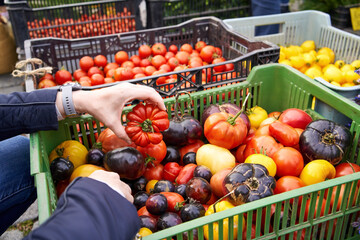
[100, 61]
[78, 74]
[86, 63]
[344, 169]
[173, 48]
[128, 64]
[62, 76]
[172, 200]
[284, 133]
[200, 45]
[296, 118]
[158, 49]
[94, 70]
[261, 143]
[121, 56]
[110, 66]
[186, 173]
[171, 171]
[182, 57]
[319, 210]
[97, 79]
[47, 76]
[153, 153]
[288, 183]
[109, 141]
[46, 83]
[186, 48]
[157, 61]
[122, 74]
[136, 60]
[289, 162]
[208, 53]
[154, 172]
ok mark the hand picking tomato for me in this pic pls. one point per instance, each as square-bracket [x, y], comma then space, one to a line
[146, 122]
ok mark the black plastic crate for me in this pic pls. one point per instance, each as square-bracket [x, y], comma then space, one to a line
[340, 16]
[34, 19]
[171, 12]
[237, 49]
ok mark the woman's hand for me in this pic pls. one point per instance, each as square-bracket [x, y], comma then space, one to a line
[107, 104]
[112, 179]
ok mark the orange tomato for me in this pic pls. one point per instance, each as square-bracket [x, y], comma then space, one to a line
[84, 171]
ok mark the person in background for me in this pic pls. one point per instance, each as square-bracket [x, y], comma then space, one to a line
[97, 207]
[266, 7]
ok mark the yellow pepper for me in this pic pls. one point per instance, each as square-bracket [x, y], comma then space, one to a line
[317, 171]
[72, 150]
[221, 206]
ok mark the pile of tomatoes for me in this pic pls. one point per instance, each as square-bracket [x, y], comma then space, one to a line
[180, 169]
[85, 26]
[150, 61]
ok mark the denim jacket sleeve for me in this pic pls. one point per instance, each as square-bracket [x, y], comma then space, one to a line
[27, 112]
[89, 209]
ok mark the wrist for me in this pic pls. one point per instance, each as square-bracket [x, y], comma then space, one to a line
[68, 103]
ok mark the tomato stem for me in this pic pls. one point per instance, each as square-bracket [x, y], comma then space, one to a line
[60, 151]
[231, 120]
[220, 199]
[146, 126]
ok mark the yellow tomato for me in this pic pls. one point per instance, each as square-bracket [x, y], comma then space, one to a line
[336, 83]
[339, 63]
[143, 232]
[348, 85]
[309, 59]
[356, 64]
[264, 160]
[308, 45]
[286, 62]
[72, 150]
[150, 185]
[282, 56]
[313, 72]
[297, 61]
[327, 51]
[351, 76]
[317, 171]
[221, 206]
[347, 67]
[334, 74]
[327, 67]
[256, 116]
[323, 60]
[84, 171]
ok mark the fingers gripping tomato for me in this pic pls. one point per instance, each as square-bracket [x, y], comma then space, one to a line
[146, 123]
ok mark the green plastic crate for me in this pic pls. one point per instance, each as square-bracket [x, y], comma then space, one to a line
[274, 87]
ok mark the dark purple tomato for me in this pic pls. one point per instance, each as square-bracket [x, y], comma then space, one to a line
[61, 169]
[168, 219]
[163, 186]
[148, 222]
[198, 189]
[181, 189]
[95, 156]
[140, 199]
[156, 204]
[203, 172]
[139, 184]
[189, 157]
[128, 162]
[172, 155]
[191, 211]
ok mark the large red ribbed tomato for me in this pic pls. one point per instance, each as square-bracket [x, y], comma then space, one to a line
[146, 122]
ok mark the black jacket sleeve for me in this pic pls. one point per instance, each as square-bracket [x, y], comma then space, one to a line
[89, 209]
[27, 112]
